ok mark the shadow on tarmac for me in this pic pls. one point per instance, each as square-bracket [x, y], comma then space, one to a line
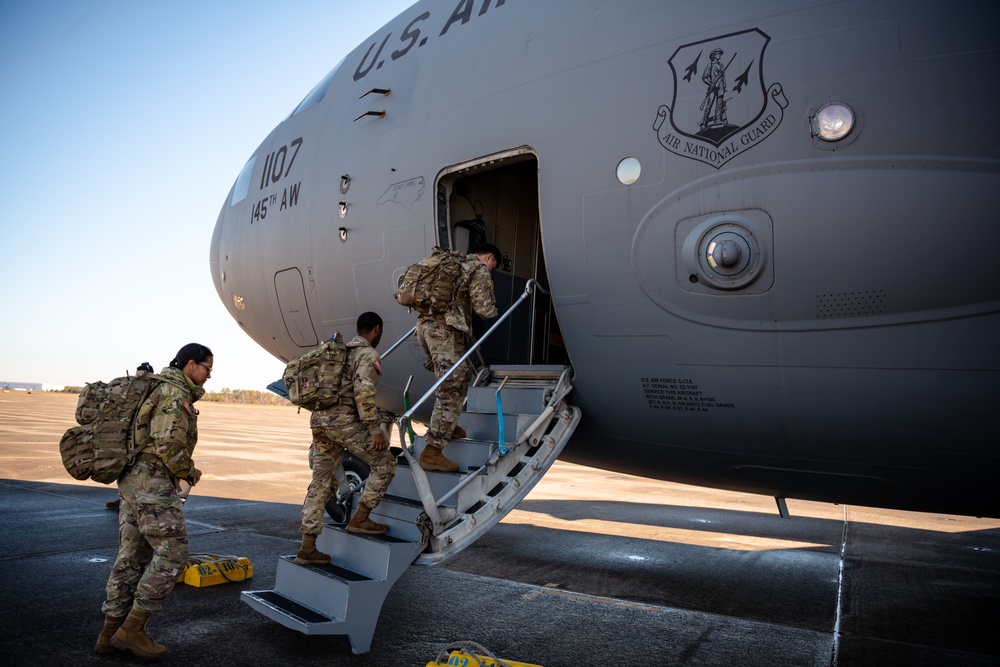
[562, 583]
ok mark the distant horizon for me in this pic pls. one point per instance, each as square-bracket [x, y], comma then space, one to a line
[60, 388]
[55, 386]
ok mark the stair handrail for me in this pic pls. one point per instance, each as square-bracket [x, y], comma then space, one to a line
[531, 285]
[558, 393]
[555, 398]
[398, 342]
[419, 475]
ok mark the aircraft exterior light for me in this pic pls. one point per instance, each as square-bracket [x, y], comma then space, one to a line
[833, 122]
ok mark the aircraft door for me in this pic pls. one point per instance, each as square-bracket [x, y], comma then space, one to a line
[495, 200]
[291, 295]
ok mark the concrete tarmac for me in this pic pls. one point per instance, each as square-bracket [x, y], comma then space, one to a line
[592, 568]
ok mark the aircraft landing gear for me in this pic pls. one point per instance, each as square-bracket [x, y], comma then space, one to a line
[341, 506]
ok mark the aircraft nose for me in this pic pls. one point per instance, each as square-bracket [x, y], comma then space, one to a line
[214, 260]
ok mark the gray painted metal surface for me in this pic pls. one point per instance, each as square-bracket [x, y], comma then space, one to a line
[760, 309]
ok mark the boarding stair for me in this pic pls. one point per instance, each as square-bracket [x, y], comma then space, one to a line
[517, 422]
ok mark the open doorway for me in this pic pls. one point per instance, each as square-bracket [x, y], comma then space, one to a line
[494, 199]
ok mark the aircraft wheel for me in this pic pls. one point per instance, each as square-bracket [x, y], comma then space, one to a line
[341, 506]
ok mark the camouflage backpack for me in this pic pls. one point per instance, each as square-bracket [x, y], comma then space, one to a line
[313, 380]
[102, 445]
[431, 285]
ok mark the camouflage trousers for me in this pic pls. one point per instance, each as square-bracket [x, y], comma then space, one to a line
[334, 430]
[152, 541]
[444, 346]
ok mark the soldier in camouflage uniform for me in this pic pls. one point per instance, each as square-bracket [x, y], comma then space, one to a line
[445, 338]
[353, 425]
[152, 537]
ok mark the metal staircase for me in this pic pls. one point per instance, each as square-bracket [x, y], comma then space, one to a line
[516, 422]
[496, 473]
[345, 597]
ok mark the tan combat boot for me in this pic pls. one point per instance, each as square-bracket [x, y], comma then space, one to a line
[433, 459]
[363, 525]
[458, 433]
[131, 636]
[308, 554]
[111, 625]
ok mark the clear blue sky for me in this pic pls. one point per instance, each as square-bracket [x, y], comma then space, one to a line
[124, 124]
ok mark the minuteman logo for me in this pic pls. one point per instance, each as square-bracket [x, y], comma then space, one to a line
[722, 107]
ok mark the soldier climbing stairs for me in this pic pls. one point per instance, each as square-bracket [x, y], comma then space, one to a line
[516, 421]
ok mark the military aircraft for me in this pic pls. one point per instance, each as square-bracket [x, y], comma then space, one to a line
[752, 230]
[742, 248]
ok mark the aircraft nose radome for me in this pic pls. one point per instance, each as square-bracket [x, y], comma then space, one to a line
[214, 259]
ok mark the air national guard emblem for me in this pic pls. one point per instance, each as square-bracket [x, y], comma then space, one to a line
[722, 106]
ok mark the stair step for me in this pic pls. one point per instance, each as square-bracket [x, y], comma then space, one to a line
[324, 588]
[331, 570]
[483, 426]
[469, 454]
[365, 556]
[295, 616]
[516, 399]
[403, 486]
[286, 611]
[550, 373]
[400, 514]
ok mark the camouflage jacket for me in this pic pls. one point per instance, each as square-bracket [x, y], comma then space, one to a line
[360, 380]
[475, 293]
[167, 423]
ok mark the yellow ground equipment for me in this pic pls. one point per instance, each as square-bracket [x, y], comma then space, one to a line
[209, 570]
[462, 655]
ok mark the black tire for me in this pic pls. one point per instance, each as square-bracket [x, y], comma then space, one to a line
[341, 506]
[355, 470]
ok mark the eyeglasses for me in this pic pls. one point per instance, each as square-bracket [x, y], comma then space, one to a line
[207, 368]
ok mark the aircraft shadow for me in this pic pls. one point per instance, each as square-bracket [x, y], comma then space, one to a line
[918, 586]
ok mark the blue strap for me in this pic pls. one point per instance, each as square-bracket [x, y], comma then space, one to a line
[503, 449]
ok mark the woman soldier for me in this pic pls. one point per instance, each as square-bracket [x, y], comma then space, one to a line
[152, 536]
